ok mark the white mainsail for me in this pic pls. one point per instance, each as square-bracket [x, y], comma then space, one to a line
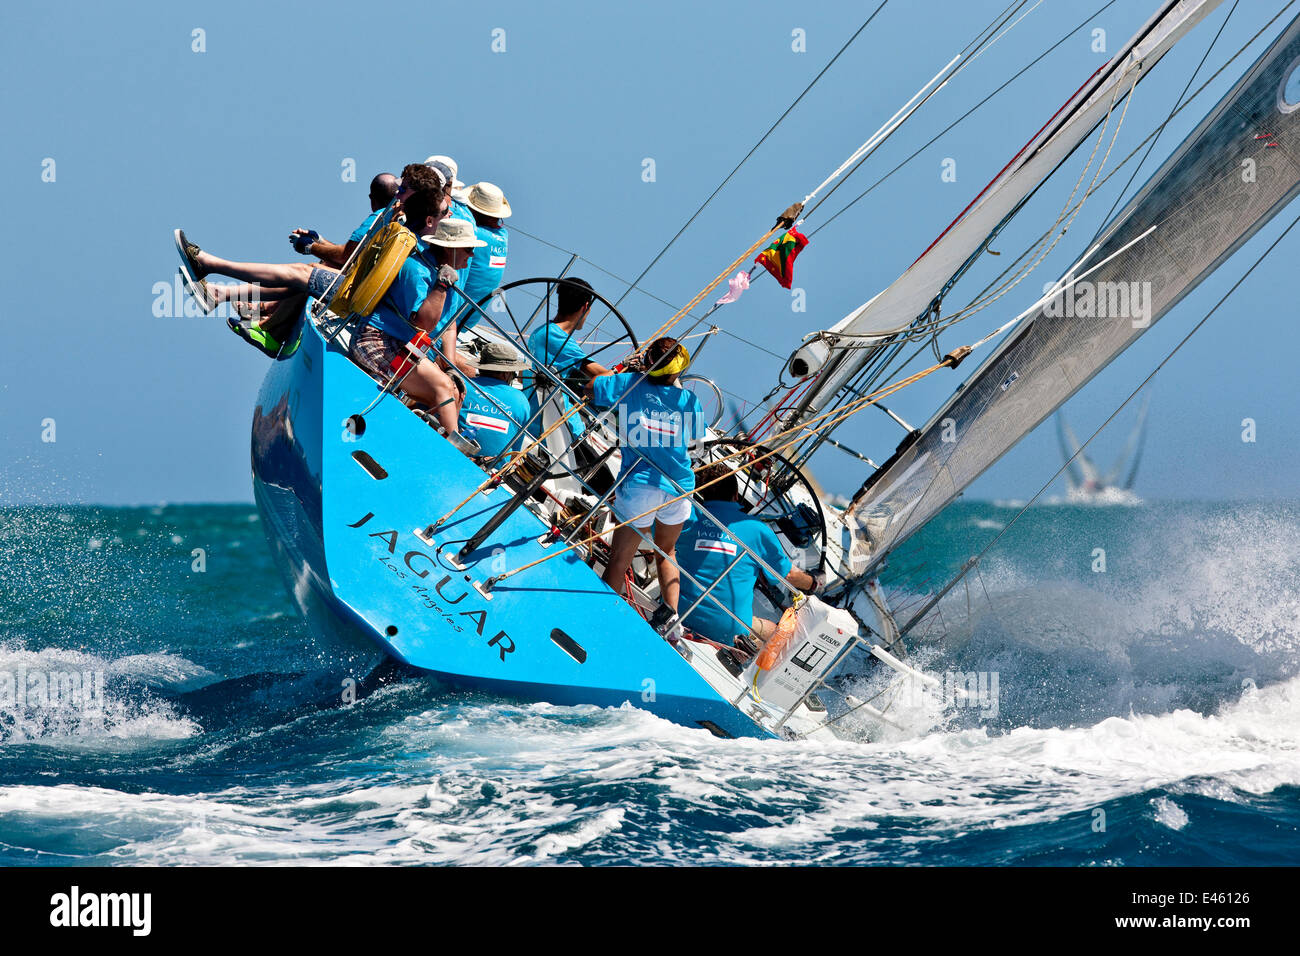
[910, 296]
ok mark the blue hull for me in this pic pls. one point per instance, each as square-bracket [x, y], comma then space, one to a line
[342, 511]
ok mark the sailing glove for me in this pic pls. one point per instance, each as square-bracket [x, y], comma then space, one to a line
[447, 276]
[301, 241]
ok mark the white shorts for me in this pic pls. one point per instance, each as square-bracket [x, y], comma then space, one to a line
[632, 500]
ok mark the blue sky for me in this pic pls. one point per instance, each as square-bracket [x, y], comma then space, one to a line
[242, 142]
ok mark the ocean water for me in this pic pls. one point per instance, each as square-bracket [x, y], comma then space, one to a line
[1147, 713]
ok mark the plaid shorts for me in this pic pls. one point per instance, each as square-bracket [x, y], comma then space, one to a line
[374, 351]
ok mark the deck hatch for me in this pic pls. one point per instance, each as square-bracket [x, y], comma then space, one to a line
[569, 645]
[372, 467]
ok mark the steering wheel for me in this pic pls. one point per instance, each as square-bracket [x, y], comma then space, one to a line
[588, 333]
[773, 490]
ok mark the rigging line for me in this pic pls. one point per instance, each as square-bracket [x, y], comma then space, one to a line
[1096, 13]
[1156, 132]
[662, 301]
[738, 338]
[988, 46]
[980, 304]
[861, 154]
[1133, 394]
[1007, 13]
[753, 149]
[1091, 188]
[908, 109]
[1190, 80]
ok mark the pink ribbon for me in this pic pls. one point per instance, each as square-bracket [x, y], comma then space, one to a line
[737, 284]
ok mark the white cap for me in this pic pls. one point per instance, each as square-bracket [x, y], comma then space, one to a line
[455, 234]
[450, 164]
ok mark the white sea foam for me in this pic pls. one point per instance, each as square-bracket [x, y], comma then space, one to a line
[1168, 813]
[111, 706]
[511, 785]
[451, 781]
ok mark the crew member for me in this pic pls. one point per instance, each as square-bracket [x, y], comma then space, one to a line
[658, 424]
[486, 273]
[707, 553]
[553, 345]
[494, 409]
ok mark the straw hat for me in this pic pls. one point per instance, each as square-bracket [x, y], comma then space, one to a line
[450, 164]
[488, 199]
[501, 357]
[455, 234]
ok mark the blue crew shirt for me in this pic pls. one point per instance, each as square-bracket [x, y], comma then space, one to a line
[460, 211]
[412, 286]
[359, 233]
[553, 346]
[493, 414]
[455, 300]
[657, 425]
[705, 551]
[487, 269]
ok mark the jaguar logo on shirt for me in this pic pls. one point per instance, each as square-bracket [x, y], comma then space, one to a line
[642, 428]
[714, 546]
[488, 422]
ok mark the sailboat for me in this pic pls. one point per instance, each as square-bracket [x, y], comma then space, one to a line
[1087, 483]
[486, 575]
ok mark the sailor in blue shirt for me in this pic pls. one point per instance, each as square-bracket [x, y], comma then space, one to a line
[384, 189]
[494, 410]
[452, 248]
[409, 290]
[718, 559]
[488, 206]
[554, 345]
[659, 422]
[415, 301]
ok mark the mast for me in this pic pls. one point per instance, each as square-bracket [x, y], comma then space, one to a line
[1132, 452]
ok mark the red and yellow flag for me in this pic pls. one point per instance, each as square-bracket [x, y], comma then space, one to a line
[778, 258]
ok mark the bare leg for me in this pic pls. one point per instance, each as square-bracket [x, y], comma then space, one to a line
[452, 354]
[293, 275]
[763, 629]
[621, 551]
[255, 292]
[431, 385]
[666, 563]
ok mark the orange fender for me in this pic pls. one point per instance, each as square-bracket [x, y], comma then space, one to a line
[778, 642]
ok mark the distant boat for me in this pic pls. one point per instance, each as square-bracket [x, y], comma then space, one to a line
[1087, 484]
